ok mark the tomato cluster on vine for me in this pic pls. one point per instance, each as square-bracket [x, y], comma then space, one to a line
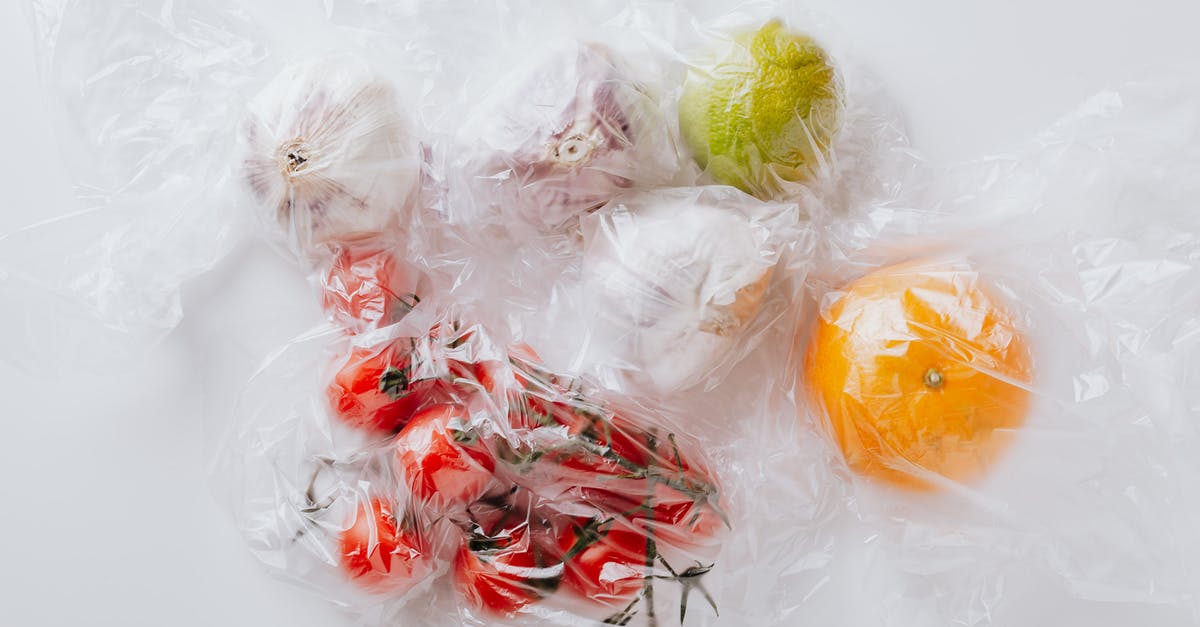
[548, 493]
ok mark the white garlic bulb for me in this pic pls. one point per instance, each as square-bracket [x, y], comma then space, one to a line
[673, 276]
[560, 140]
[328, 156]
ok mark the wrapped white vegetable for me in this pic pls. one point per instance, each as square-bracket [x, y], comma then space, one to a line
[554, 142]
[1088, 238]
[673, 276]
[328, 155]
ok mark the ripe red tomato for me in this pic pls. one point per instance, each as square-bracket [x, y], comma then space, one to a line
[367, 288]
[373, 390]
[523, 352]
[528, 410]
[601, 450]
[462, 348]
[442, 459]
[379, 555]
[633, 499]
[501, 575]
[485, 373]
[494, 515]
[682, 520]
[646, 446]
[689, 526]
[628, 441]
[679, 508]
[525, 361]
[610, 570]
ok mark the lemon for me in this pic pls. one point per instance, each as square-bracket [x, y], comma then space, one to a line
[766, 111]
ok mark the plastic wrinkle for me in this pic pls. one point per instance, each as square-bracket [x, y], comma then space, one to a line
[639, 312]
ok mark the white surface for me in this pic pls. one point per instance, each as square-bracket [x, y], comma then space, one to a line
[107, 517]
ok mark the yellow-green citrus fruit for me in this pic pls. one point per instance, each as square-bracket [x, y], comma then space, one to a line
[766, 111]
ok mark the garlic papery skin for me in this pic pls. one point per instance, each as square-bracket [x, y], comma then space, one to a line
[559, 140]
[673, 277]
[328, 156]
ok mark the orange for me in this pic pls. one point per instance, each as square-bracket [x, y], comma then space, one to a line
[917, 370]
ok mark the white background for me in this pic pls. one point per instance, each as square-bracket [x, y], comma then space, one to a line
[106, 516]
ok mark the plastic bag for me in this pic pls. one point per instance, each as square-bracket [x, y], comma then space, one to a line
[536, 496]
[146, 94]
[99, 285]
[482, 247]
[414, 466]
[594, 131]
[327, 156]
[1007, 349]
[459, 304]
[672, 281]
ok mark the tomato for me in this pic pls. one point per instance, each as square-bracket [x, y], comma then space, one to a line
[528, 410]
[678, 510]
[492, 584]
[601, 449]
[609, 570]
[442, 459]
[523, 352]
[525, 361]
[462, 347]
[484, 372]
[575, 449]
[374, 389]
[688, 525]
[503, 574]
[452, 333]
[654, 450]
[378, 554]
[493, 515]
[628, 442]
[367, 288]
[683, 520]
[641, 499]
[624, 499]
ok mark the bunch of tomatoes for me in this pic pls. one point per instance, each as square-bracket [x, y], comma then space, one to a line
[503, 473]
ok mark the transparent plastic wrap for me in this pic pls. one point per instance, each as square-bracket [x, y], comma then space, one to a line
[552, 143]
[467, 473]
[418, 468]
[162, 180]
[1003, 368]
[671, 283]
[152, 100]
[137, 110]
[580, 286]
[647, 313]
[327, 155]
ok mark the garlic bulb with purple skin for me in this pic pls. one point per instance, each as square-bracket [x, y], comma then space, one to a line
[558, 141]
[673, 277]
[328, 156]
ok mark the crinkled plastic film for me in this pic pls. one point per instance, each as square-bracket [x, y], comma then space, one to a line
[1090, 492]
[139, 95]
[570, 374]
